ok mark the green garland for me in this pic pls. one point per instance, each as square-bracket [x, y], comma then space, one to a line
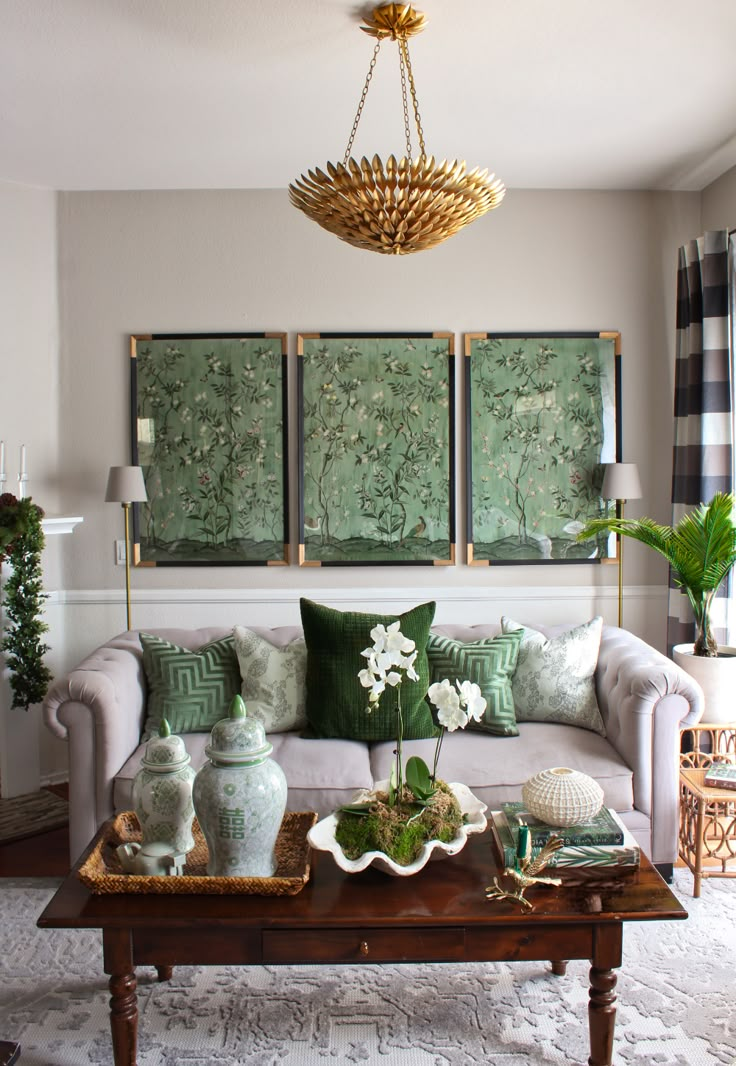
[21, 543]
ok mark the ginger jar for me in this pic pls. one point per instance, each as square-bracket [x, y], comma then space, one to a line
[240, 797]
[162, 792]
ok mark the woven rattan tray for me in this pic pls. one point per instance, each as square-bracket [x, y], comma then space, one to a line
[102, 873]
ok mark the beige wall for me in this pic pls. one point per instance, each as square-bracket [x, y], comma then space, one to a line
[29, 345]
[194, 261]
[718, 204]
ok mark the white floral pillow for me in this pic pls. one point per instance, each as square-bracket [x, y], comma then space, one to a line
[554, 679]
[274, 680]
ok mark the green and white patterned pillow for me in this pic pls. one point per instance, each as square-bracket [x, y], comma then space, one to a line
[274, 680]
[191, 689]
[490, 663]
[554, 679]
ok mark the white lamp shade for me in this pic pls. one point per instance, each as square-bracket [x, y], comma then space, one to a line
[125, 484]
[621, 482]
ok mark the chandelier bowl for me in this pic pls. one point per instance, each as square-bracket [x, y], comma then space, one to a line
[407, 206]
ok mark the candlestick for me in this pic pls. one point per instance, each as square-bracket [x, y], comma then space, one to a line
[523, 844]
[2, 460]
[22, 460]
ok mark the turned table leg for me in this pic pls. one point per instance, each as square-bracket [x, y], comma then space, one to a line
[602, 996]
[118, 955]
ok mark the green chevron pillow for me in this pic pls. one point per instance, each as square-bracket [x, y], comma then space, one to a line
[336, 700]
[490, 663]
[191, 689]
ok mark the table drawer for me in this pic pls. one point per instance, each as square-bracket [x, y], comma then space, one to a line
[363, 945]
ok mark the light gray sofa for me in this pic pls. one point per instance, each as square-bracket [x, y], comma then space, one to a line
[645, 700]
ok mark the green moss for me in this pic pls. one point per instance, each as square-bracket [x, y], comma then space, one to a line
[401, 831]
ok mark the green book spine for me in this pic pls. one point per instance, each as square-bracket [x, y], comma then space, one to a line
[603, 829]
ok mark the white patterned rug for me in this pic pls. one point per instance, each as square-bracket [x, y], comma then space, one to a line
[676, 1006]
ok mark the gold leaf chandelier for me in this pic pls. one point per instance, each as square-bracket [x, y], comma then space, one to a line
[409, 204]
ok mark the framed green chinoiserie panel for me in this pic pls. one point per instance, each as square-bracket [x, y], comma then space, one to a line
[543, 416]
[376, 440]
[209, 430]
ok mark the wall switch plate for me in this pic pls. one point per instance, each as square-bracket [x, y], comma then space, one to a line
[120, 553]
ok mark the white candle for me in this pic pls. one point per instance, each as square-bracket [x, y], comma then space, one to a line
[22, 460]
[2, 458]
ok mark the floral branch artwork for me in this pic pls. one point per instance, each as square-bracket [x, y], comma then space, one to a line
[377, 449]
[210, 433]
[542, 417]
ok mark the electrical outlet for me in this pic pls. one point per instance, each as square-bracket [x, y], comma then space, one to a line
[120, 553]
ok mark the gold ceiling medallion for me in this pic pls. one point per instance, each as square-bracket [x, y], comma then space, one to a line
[409, 204]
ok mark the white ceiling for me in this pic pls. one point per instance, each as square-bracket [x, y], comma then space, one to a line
[135, 94]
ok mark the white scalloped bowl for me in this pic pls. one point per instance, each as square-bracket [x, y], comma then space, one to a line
[322, 836]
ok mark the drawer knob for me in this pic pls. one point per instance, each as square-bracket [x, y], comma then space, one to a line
[364, 947]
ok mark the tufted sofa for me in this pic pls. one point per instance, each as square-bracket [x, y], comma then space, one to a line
[644, 698]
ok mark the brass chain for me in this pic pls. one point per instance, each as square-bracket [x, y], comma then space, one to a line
[361, 103]
[407, 125]
[404, 47]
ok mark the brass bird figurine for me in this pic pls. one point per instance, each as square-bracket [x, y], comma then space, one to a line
[525, 874]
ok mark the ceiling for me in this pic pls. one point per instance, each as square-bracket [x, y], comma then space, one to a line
[174, 94]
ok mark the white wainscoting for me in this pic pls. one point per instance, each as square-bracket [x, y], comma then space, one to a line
[90, 617]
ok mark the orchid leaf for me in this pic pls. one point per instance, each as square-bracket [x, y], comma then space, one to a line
[418, 778]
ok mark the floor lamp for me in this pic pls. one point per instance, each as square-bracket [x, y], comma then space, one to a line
[621, 483]
[125, 485]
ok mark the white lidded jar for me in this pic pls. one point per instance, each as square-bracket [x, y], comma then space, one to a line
[162, 792]
[240, 797]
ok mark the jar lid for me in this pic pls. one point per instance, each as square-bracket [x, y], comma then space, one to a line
[165, 752]
[237, 739]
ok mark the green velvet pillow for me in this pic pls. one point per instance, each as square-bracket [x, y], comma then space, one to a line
[336, 700]
[191, 689]
[490, 663]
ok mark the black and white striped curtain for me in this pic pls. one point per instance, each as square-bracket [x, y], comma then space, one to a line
[703, 452]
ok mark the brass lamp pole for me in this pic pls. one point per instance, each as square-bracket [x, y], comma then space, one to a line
[125, 485]
[621, 483]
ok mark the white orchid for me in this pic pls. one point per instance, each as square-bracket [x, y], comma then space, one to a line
[391, 656]
[447, 701]
[455, 708]
[471, 698]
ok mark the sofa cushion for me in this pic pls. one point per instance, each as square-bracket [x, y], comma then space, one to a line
[495, 768]
[554, 679]
[336, 701]
[273, 680]
[490, 664]
[191, 689]
[320, 777]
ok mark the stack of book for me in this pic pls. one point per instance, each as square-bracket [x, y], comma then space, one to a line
[721, 775]
[605, 842]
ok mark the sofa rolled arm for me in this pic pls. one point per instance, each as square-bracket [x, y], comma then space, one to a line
[647, 700]
[99, 708]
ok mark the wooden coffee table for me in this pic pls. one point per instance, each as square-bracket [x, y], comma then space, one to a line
[437, 915]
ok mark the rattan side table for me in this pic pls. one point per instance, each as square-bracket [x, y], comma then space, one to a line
[707, 815]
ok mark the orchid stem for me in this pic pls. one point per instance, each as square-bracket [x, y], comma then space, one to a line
[437, 750]
[399, 738]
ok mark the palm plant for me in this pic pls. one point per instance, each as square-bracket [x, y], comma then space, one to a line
[701, 549]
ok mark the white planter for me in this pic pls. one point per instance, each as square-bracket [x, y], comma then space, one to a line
[322, 836]
[716, 677]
